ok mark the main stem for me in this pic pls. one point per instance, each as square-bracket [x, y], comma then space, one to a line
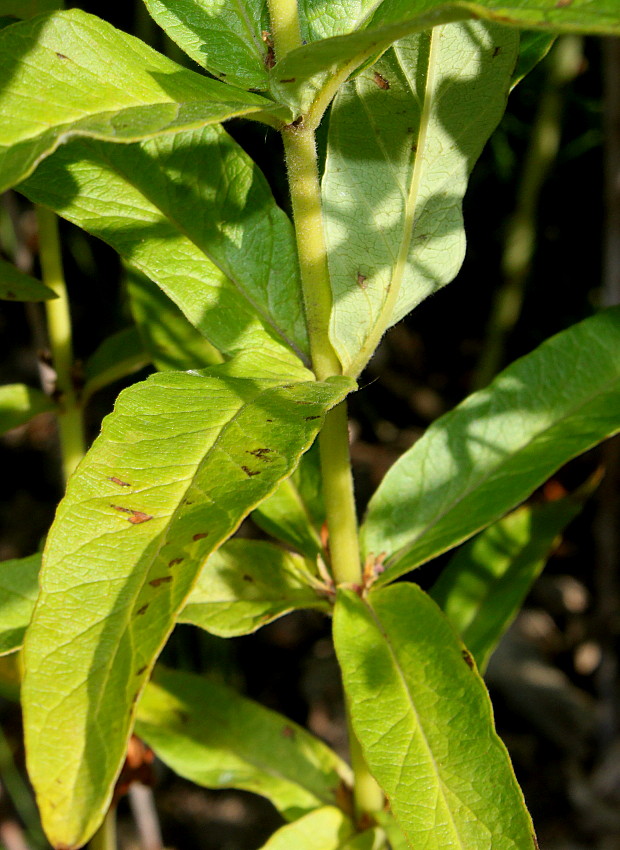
[70, 421]
[303, 176]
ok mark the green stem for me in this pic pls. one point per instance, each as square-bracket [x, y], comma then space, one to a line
[367, 795]
[105, 837]
[285, 30]
[70, 422]
[563, 66]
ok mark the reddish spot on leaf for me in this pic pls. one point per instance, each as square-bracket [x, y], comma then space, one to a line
[380, 81]
[118, 481]
[361, 280]
[246, 577]
[135, 517]
[141, 670]
[288, 80]
[260, 454]
[562, 3]
[175, 561]
[288, 732]
[11, 294]
[157, 581]
[249, 472]
[61, 56]
[142, 610]
[467, 658]
[200, 535]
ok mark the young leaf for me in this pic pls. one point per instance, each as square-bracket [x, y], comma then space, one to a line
[403, 138]
[306, 77]
[171, 341]
[17, 286]
[326, 828]
[119, 355]
[225, 38]
[485, 457]
[219, 739]
[18, 592]
[247, 584]
[429, 740]
[485, 583]
[195, 215]
[295, 512]
[179, 463]
[98, 82]
[19, 403]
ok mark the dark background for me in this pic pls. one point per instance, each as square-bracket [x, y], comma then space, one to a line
[553, 679]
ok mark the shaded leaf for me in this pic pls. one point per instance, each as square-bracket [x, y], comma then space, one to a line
[403, 138]
[19, 403]
[225, 38]
[17, 286]
[485, 583]
[195, 215]
[429, 740]
[119, 355]
[28, 8]
[213, 736]
[247, 584]
[327, 828]
[98, 82]
[305, 75]
[485, 457]
[18, 592]
[295, 512]
[168, 480]
[172, 342]
[533, 47]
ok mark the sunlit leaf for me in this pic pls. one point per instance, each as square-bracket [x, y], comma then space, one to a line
[18, 592]
[179, 463]
[423, 718]
[19, 403]
[326, 828]
[485, 457]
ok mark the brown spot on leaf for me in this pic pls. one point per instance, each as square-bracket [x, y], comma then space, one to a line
[380, 81]
[200, 535]
[310, 418]
[270, 56]
[246, 577]
[561, 4]
[250, 472]
[268, 420]
[535, 840]
[261, 454]
[157, 581]
[288, 80]
[183, 716]
[142, 670]
[496, 51]
[288, 732]
[61, 56]
[118, 481]
[467, 658]
[11, 294]
[361, 280]
[175, 561]
[135, 517]
[142, 610]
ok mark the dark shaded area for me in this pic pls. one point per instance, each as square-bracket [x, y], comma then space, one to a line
[553, 700]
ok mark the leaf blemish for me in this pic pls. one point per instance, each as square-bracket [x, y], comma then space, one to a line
[250, 472]
[118, 481]
[141, 670]
[61, 56]
[288, 80]
[270, 56]
[260, 454]
[288, 732]
[309, 418]
[561, 4]
[246, 577]
[175, 561]
[467, 658]
[136, 517]
[201, 535]
[142, 610]
[380, 81]
[496, 51]
[361, 280]
[157, 581]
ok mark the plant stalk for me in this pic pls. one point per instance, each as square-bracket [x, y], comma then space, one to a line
[285, 29]
[70, 420]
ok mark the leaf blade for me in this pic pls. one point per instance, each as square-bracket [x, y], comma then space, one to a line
[17, 286]
[19, 403]
[486, 456]
[426, 739]
[18, 593]
[167, 481]
[326, 828]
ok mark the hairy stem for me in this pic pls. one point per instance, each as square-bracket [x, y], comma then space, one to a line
[70, 422]
[285, 30]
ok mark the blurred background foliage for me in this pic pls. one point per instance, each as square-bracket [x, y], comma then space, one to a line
[541, 256]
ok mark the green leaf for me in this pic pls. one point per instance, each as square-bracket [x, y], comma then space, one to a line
[28, 8]
[247, 584]
[326, 828]
[424, 720]
[485, 583]
[172, 342]
[225, 38]
[219, 739]
[295, 512]
[179, 463]
[533, 47]
[485, 457]
[18, 592]
[397, 166]
[195, 215]
[19, 403]
[119, 355]
[17, 286]
[309, 74]
[98, 82]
